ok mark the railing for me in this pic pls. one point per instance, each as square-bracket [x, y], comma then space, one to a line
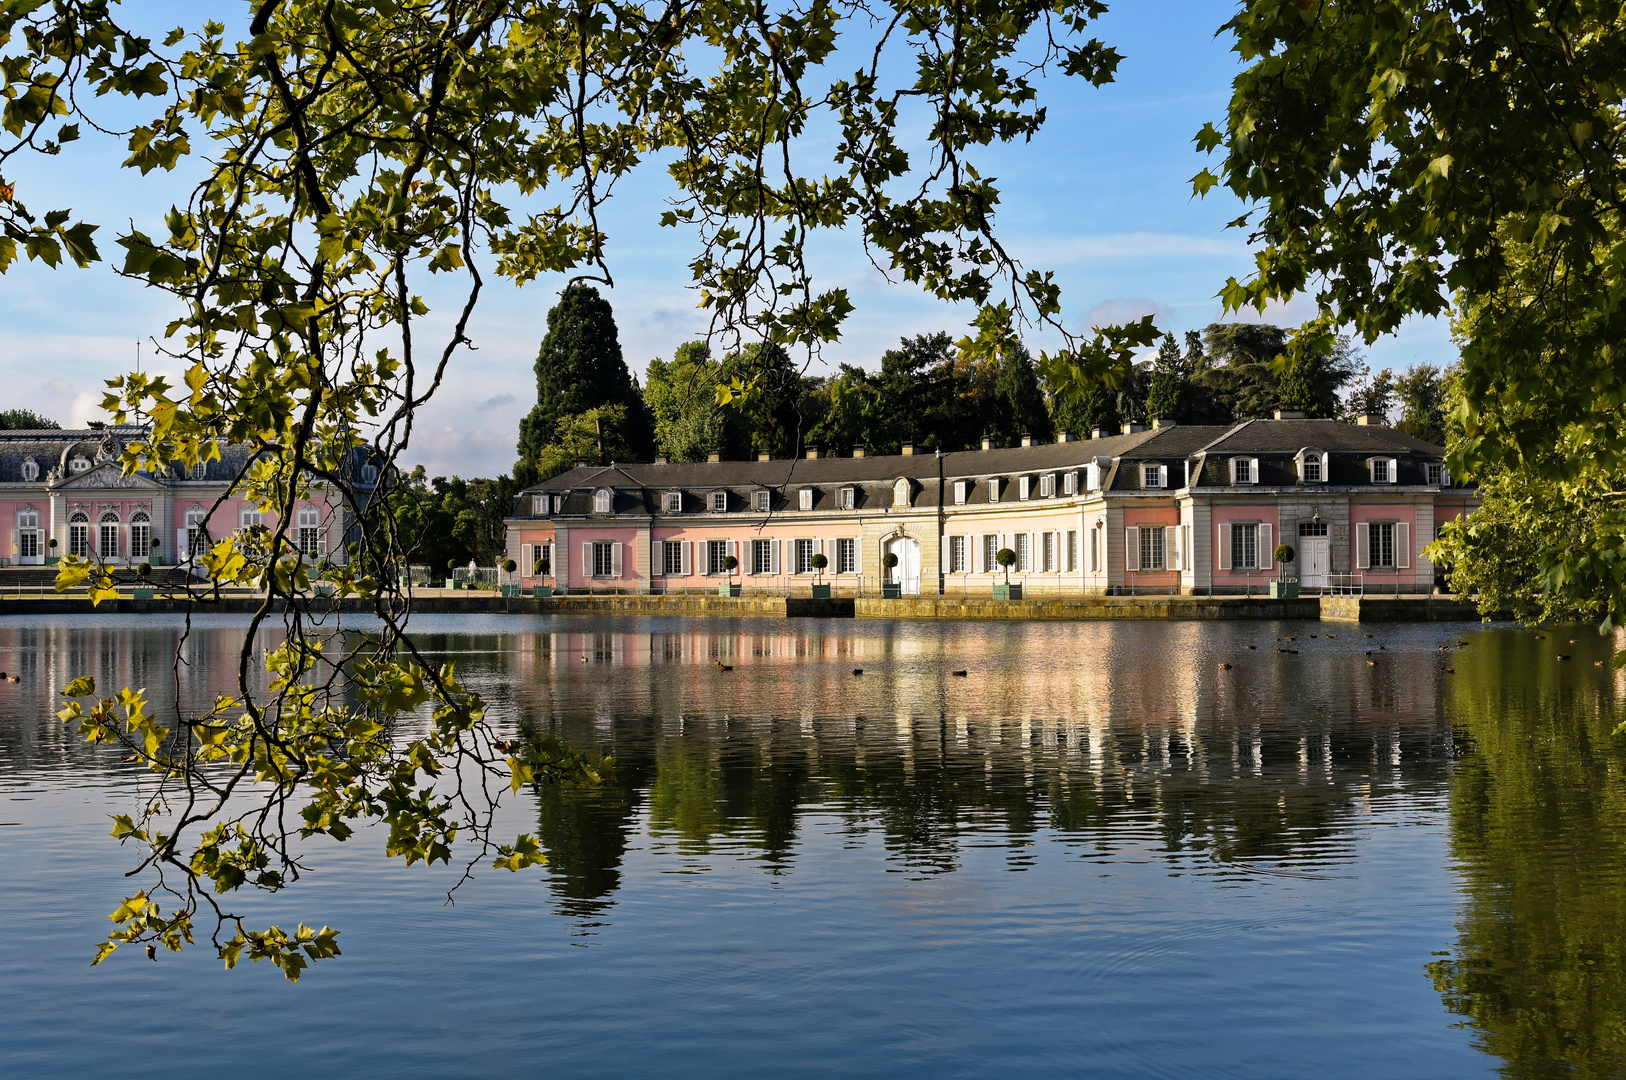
[1351, 585]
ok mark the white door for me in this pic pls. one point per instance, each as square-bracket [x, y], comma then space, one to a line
[28, 547]
[907, 572]
[1317, 561]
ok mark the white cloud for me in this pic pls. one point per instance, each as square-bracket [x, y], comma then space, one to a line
[1126, 309]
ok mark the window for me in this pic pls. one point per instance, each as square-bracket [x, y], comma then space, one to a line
[762, 501]
[993, 489]
[140, 535]
[1152, 554]
[309, 522]
[1244, 547]
[802, 558]
[804, 498]
[762, 556]
[28, 519]
[369, 474]
[1024, 554]
[1095, 551]
[250, 517]
[1311, 469]
[544, 560]
[1069, 483]
[959, 555]
[1382, 539]
[719, 502]
[672, 558]
[601, 501]
[78, 465]
[990, 554]
[900, 493]
[79, 536]
[1022, 488]
[196, 472]
[31, 470]
[1383, 470]
[1152, 476]
[1047, 486]
[1312, 528]
[1072, 551]
[960, 488]
[108, 548]
[847, 499]
[672, 502]
[1436, 475]
[603, 558]
[1050, 566]
[1244, 470]
[847, 555]
[196, 541]
[539, 505]
[716, 553]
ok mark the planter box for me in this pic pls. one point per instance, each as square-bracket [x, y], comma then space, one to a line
[891, 591]
[539, 591]
[1007, 592]
[451, 583]
[323, 588]
[1284, 590]
[821, 592]
[156, 560]
[52, 560]
[143, 594]
[730, 590]
[509, 590]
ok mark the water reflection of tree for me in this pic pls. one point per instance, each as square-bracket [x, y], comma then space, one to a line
[1538, 829]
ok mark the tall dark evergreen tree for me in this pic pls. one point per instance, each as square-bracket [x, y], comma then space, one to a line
[1169, 388]
[579, 367]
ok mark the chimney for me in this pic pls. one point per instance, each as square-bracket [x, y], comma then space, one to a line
[1133, 428]
[1027, 438]
[660, 459]
[858, 450]
[714, 456]
[908, 449]
[1064, 436]
[1096, 433]
[581, 464]
[1160, 424]
[812, 453]
[1290, 414]
[763, 455]
[1372, 420]
[987, 442]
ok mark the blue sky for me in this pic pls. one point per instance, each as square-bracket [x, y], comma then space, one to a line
[1101, 197]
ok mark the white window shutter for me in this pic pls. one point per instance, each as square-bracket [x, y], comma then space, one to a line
[1172, 536]
[561, 551]
[1233, 472]
[657, 558]
[976, 554]
[818, 545]
[773, 556]
[686, 558]
[1371, 470]
[1034, 540]
[1132, 548]
[587, 559]
[1185, 546]
[527, 565]
[1267, 549]
[1394, 470]
[729, 549]
[615, 560]
[1403, 544]
[1445, 477]
[1326, 464]
[1253, 470]
[1363, 545]
[858, 554]
[1224, 545]
[943, 556]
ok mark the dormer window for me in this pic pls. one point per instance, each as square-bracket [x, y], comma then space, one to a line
[1312, 467]
[78, 465]
[672, 502]
[1152, 476]
[718, 502]
[763, 501]
[601, 501]
[31, 470]
[1244, 470]
[900, 493]
[960, 489]
[195, 473]
[993, 489]
[1069, 483]
[539, 505]
[1023, 487]
[804, 498]
[848, 498]
[1383, 470]
[1436, 474]
[558, 504]
[1047, 486]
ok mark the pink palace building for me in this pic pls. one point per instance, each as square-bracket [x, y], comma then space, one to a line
[67, 486]
[1170, 508]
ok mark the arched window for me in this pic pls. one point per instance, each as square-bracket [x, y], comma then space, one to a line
[198, 471]
[107, 546]
[369, 474]
[78, 465]
[309, 521]
[601, 501]
[79, 536]
[900, 493]
[251, 517]
[140, 535]
[31, 470]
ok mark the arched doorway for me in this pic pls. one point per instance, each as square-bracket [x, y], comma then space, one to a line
[907, 572]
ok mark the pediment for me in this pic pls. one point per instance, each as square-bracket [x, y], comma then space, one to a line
[104, 477]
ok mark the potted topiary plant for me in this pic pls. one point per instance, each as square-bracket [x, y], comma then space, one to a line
[819, 563]
[143, 590]
[510, 588]
[153, 558]
[451, 581]
[1006, 558]
[890, 590]
[1284, 587]
[51, 556]
[728, 588]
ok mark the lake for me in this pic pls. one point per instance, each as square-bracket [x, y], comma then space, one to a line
[1100, 853]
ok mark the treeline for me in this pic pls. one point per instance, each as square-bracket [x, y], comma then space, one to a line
[590, 408]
